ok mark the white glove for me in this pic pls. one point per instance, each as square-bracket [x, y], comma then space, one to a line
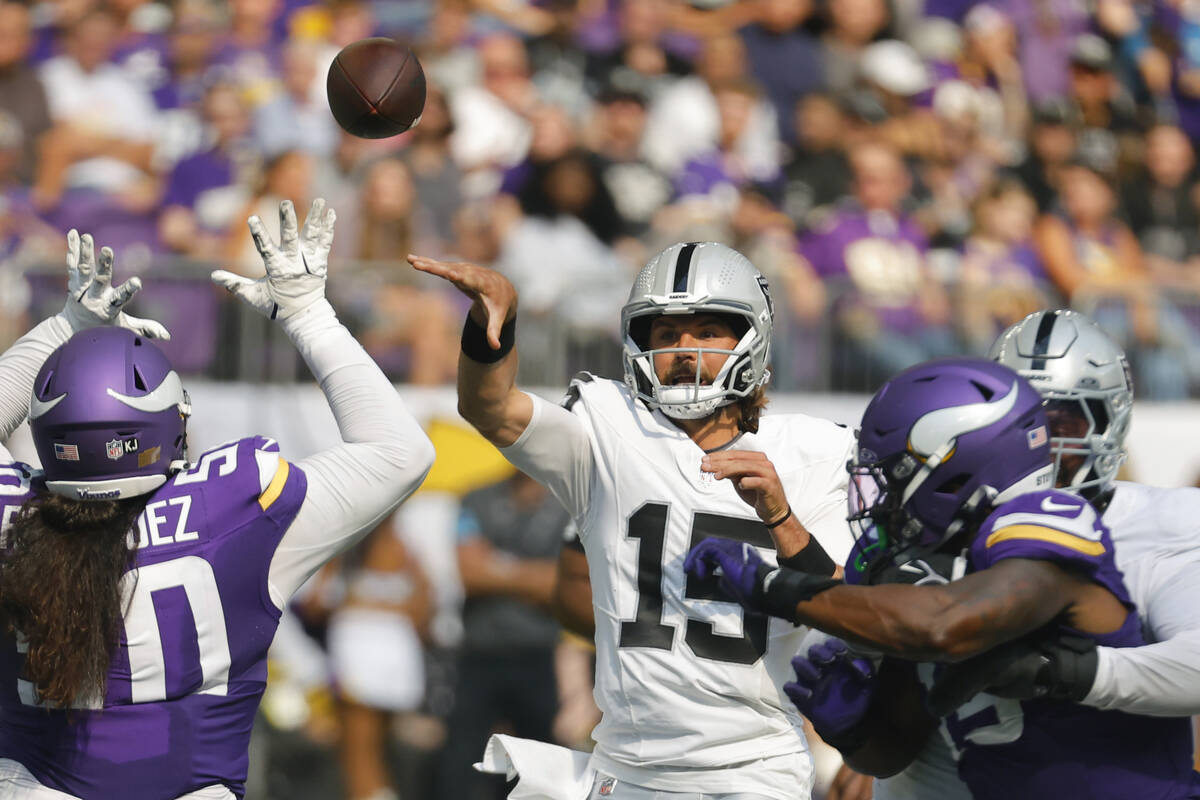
[296, 268]
[91, 299]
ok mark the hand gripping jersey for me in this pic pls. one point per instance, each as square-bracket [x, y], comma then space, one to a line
[689, 685]
[1050, 749]
[186, 679]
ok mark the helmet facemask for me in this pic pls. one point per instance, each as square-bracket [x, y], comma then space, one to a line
[1084, 377]
[695, 399]
[1087, 432]
[693, 278]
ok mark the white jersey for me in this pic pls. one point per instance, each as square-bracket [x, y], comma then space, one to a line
[1156, 541]
[690, 687]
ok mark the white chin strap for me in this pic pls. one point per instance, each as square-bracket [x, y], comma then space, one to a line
[115, 489]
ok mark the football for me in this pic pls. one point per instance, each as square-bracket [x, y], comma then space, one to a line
[376, 88]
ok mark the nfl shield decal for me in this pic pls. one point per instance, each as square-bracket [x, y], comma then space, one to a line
[115, 449]
[606, 787]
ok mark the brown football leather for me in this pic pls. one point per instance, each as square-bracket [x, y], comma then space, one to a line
[376, 88]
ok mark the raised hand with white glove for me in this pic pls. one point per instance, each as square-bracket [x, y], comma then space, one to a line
[92, 300]
[296, 268]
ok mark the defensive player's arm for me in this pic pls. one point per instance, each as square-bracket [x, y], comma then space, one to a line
[1160, 679]
[382, 459]
[384, 455]
[950, 622]
[91, 301]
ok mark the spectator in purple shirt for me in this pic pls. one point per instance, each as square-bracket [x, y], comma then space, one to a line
[251, 49]
[889, 313]
[719, 173]
[639, 62]
[190, 45]
[784, 57]
[1001, 279]
[1046, 30]
[204, 191]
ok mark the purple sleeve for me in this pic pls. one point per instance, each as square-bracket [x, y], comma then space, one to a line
[1048, 526]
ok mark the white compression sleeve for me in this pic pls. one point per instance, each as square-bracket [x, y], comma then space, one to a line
[19, 367]
[1161, 679]
[383, 457]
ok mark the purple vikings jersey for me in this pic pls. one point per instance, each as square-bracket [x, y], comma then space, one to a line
[1049, 749]
[881, 255]
[185, 681]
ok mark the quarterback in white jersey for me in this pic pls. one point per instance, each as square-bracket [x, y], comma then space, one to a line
[689, 686]
[1155, 532]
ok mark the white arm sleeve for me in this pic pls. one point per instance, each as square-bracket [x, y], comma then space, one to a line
[383, 457]
[555, 450]
[1161, 679]
[19, 367]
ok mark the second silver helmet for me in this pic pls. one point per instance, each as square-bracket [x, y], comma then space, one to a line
[1079, 370]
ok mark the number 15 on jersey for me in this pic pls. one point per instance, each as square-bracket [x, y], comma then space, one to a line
[648, 525]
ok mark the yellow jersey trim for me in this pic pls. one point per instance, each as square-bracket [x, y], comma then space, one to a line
[1040, 534]
[275, 487]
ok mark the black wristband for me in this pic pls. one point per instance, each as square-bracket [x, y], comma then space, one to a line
[773, 525]
[812, 558]
[778, 590]
[475, 344]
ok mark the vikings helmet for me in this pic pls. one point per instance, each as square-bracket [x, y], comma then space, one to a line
[108, 415]
[695, 278]
[940, 444]
[1082, 373]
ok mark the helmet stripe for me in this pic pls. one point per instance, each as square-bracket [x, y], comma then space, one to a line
[1041, 344]
[683, 267]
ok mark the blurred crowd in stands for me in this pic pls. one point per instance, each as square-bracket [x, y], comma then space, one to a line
[911, 178]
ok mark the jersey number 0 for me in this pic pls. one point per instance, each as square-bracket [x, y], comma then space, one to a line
[649, 526]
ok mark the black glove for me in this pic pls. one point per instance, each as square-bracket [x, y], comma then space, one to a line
[1060, 667]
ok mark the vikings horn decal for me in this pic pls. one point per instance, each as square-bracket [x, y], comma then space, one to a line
[164, 396]
[946, 424]
[38, 407]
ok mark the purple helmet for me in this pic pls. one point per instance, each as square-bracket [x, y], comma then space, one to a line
[940, 444]
[108, 416]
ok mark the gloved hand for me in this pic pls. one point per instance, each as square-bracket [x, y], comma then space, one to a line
[1058, 667]
[296, 267]
[742, 568]
[833, 689]
[757, 586]
[92, 300]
